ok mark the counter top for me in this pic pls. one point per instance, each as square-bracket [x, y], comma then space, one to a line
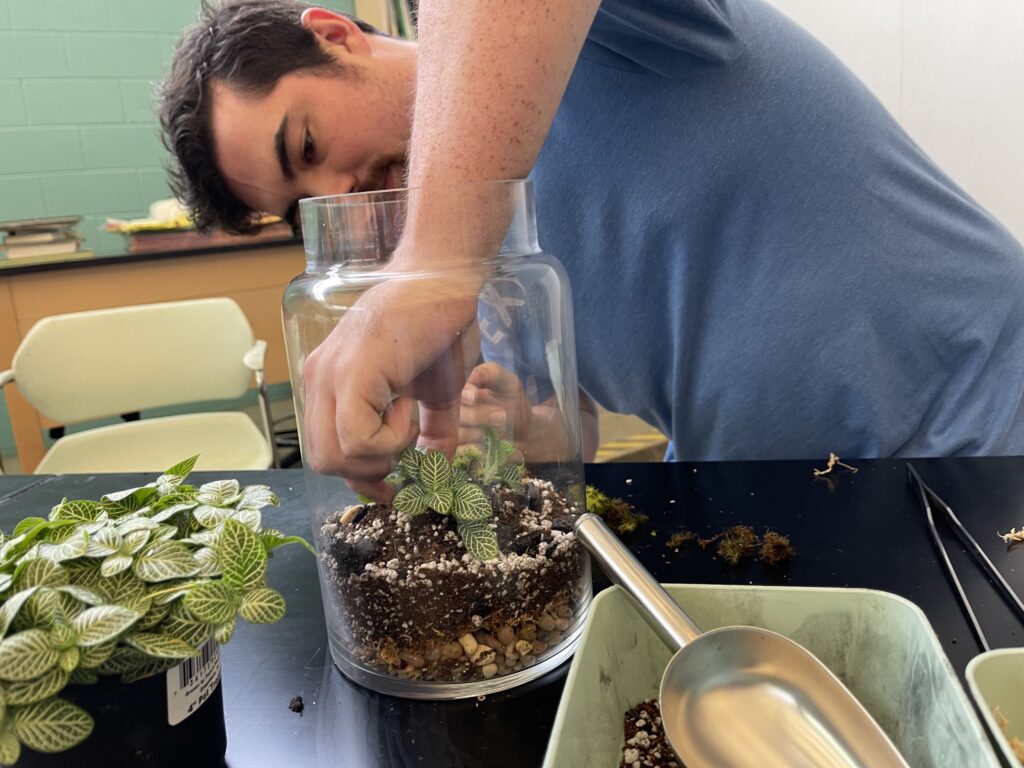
[849, 530]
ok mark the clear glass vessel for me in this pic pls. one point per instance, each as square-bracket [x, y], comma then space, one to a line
[464, 577]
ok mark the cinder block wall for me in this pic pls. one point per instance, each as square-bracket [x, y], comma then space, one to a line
[77, 132]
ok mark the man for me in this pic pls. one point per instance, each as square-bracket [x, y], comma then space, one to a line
[764, 265]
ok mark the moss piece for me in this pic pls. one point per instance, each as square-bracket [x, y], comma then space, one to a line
[679, 539]
[738, 543]
[775, 548]
[620, 515]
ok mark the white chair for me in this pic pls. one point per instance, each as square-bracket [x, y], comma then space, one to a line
[86, 366]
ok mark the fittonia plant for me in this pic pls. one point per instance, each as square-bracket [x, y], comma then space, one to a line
[129, 585]
[428, 481]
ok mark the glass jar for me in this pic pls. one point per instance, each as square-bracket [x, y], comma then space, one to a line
[470, 579]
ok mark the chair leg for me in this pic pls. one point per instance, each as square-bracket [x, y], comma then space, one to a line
[268, 431]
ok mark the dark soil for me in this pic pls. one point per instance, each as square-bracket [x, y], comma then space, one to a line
[646, 746]
[419, 606]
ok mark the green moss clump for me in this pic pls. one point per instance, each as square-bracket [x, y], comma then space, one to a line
[738, 543]
[775, 548]
[618, 514]
[680, 539]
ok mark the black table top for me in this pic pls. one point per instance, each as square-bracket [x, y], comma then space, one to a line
[849, 530]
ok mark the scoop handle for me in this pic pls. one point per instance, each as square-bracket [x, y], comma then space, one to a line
[662, 613]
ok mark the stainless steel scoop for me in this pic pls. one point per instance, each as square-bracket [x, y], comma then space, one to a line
[742, 697]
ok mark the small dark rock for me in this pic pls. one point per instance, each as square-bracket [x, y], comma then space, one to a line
[296, 705]
[527, 545]
[533, 497]
[563, 523]
[506, 534]
[352, 558]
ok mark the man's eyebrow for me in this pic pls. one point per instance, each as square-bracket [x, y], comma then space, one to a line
[282, 152]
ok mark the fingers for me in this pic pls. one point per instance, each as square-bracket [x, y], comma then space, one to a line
[439, 426]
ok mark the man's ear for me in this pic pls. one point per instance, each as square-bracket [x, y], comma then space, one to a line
[335, 29]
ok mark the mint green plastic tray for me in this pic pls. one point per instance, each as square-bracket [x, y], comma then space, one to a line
[880, 645]
[996, 679]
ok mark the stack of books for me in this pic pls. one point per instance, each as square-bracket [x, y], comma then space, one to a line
[40, 237]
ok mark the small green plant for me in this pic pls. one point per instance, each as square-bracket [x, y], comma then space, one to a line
[428, 481]
[129, 585]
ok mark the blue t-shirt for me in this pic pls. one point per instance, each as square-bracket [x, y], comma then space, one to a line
[763, 264]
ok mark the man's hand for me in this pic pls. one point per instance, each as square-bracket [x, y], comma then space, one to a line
[398, 345]
[493, 397]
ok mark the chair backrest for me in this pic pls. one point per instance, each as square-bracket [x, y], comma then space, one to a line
[89, 365]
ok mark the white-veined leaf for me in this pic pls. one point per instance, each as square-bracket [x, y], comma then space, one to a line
[435, 471]
[102, 623]
[86, 595]
[219, 493]
[209, 564]
[10, 746]
[11, 607]
[160, 646]
[223, 633]
[155, 616]
[262, 606]
[209, 516]
[148, 670]
[479, 540]
[83, 677]
[53, 725]
[213, 602]
[79, 511]
[243, 561]
[250, 518]
[39, 573]
[69, 660]
[171, 511]
[440, 501]
[409, 463]
[411, 500]
[97, 654]
[115, 564]
[195, 633]
[469, 502]
[105, 541]
[134, 541]
[257, 497]
[6, 580]
[42, 687]
[181, 470]
[165, 560]
[26, 655]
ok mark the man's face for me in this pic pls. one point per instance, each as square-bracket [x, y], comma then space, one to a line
[317, 134]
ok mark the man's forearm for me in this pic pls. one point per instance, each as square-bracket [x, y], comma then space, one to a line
[489, 80]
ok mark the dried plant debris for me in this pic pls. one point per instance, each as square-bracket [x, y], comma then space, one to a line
[620, 515]
[296, 705]
[738, 543]
[646, 745]
[680, 539]
[1013, 537]
[1015, 744]
[833, 462]
[775, 548]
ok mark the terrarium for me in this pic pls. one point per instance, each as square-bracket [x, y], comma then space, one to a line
[459, 574]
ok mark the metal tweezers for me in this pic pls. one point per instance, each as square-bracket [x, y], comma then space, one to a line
[928, 499]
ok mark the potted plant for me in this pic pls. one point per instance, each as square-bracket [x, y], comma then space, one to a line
[100, 595]
[471, 573]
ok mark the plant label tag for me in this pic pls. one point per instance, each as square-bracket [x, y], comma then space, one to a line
[192, 682]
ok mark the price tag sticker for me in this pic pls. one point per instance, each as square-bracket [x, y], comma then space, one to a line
[192, 682]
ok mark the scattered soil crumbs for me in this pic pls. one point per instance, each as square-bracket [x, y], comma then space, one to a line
[646, 746]
[737, 544]
[415, 604]
[1015, 744]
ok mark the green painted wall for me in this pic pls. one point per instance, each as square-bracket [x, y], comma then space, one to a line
[77, 131]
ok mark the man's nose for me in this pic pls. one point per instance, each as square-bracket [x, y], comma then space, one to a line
[326, 181]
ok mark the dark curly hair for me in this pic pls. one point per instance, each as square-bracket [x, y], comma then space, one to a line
[247, 45]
